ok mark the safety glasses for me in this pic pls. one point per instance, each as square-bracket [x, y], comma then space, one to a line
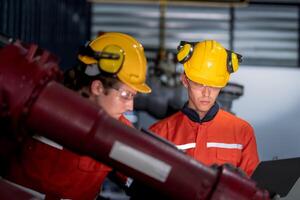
[124, 94]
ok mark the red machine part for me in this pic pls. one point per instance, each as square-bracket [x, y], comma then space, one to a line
[10, 191]
[32, 100]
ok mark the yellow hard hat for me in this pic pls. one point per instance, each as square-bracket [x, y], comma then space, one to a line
[120, 55]
[208, 62]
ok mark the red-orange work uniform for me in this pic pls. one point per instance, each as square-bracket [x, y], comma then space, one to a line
[57, 172]
[218, 138]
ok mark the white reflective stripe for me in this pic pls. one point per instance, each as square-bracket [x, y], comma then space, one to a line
[186, 146]
[224, 145]
[140, 161]
[48, 141]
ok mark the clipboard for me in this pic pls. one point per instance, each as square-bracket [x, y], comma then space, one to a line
[277, 176]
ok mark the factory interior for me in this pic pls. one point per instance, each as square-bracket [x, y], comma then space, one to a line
[41, 41]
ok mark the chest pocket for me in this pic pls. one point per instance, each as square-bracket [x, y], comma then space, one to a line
[232, 156]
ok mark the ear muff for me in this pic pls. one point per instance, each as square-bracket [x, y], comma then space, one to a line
[185, 52]
[233, 60]
[186, 49]
[110, 59]
[109, 64]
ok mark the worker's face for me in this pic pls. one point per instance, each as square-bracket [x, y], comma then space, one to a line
[115, 101]
[201, 97]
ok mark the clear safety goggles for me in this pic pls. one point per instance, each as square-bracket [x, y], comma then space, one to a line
[124, 94]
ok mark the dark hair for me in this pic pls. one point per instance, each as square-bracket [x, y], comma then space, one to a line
[76, 79]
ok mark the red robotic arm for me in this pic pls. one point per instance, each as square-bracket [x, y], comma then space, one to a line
[31, 99]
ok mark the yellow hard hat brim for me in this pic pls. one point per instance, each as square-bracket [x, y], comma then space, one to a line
[194, 76]
[139, 87]
[142, 88]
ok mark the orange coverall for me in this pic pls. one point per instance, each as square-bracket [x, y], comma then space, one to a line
[48, 168]
[218, 138]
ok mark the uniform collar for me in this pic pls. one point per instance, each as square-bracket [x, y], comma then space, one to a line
[125, 121]
[194, 116]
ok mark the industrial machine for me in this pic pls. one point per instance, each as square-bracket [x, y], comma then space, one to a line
[33, 100]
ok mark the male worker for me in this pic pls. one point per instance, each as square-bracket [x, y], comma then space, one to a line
[203, 130]
[109, 79]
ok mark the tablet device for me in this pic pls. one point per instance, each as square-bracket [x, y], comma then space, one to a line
[277, 176]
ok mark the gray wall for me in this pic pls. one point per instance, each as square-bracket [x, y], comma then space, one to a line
[271, 103]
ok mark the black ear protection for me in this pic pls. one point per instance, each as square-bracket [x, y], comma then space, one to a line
[231, 58]
[186, 49]
[110, 59]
